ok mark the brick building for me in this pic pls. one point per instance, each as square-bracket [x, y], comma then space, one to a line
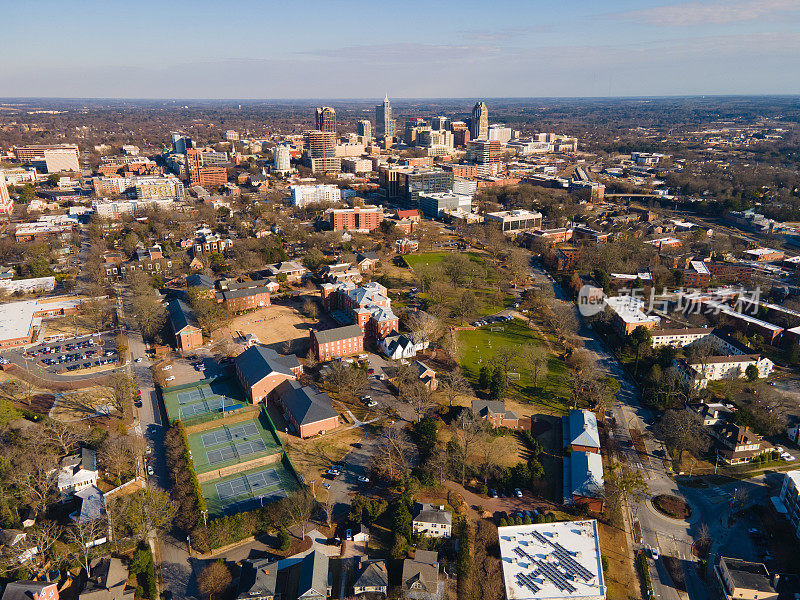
[494, 411]
[260, 370]
[359, 218]
[237, 301]
[308, 410]
[186, 329]
[367, 305]
[338, 342]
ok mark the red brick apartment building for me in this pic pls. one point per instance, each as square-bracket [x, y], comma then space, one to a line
[462, 170]
[187, 331]
[359, 218]
[260, 370]
[237, 301]
[368, 304]
[338, 342]
[207, 176]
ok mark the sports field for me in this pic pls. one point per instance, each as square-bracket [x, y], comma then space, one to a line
[202, 400]
[249, 489]
[434, 258]
[479, 346]
[230, 444]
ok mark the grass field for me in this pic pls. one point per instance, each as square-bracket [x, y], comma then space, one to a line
[200, 449]
[479, 346]
[434, 258]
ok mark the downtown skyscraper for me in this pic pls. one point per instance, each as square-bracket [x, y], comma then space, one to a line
[325, 119]
[384, 123]
[479, 124]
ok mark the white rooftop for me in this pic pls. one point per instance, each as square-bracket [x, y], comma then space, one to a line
[16, 319]
[699, 266]
[761, 251]
[630, 309]
[552, 560]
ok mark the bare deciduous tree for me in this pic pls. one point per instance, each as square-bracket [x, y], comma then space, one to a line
[452, 385]
[393, 454]
[300, 508]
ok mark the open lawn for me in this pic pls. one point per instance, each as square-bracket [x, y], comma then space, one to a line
[82, 404]
[434, 258]
[274, 326]
[480, 346]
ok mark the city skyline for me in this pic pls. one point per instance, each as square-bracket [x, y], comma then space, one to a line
[512, 49]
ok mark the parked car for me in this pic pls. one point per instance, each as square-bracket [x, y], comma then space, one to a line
[170, 378]
[326, 485]
[363, 479]
[167, 368]
[493, 493]
[150, 470]
[518, 493]
[138, 360]
[654, 553]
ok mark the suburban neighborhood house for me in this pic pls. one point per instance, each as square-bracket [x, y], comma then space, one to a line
[432, 520]
[736, 443]
[308, 410]
[552, 561]
[304, 577]
[185, 328]
[494, 411]
[78, 471]
[400, 346]
[580, 431]
[421, 576]
[260, 370]
[31, 590]
[337, 342]
[293, 271]
[108, 581]
[372, 578]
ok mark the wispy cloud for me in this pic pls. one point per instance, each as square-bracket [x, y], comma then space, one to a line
[504, 33]
[716, 12]
[404, 53]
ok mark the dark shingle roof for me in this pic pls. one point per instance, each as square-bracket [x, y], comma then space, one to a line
[258, 362]
[373, 575]
[339, 333]
[24, 590]
[244, 292]
[307, 404]
[199, 280]
[181, 316]
[258, 578]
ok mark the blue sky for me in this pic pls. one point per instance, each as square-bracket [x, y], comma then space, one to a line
[436, 48]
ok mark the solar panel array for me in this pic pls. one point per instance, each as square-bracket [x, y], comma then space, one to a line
[562, 569]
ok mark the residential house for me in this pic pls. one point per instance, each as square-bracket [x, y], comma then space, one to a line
[201, 281]
[494, 411]
[420, 579]
[78, 471]
[736, 443]
[744, 580]
[108, 581]
[712, 413]
[426, 375]
[341, 272]
[15, 543]
[301, 578]
[406, 246]
[92, 505]
[372, 578]
[337, 342]
[306, 408]
[580, 431]
[260, 370]
[207, 242]
[293, 271]
[400, 346]
[715, 368]
[30, 590]
[367, 261]
[184, 325]
[583, 480]
[432, 521]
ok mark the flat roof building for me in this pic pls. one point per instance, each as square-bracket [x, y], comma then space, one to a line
[629, 314]
[511, 221]
[552, 561]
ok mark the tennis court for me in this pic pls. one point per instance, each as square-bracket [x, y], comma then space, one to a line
[202, 399]
[231, 444]
[249, 490]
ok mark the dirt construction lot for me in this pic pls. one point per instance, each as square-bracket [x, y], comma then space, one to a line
[274, 325]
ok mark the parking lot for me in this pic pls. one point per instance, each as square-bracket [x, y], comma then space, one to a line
[74, 354]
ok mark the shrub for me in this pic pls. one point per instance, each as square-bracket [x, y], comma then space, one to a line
[604, 562]
[284, 541]
[503, 522]
[483, 490]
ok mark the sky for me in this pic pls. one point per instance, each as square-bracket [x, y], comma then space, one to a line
[261, 49]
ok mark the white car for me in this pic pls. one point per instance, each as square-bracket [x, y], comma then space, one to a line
[167, 368]
[326, 485]
[148, 451]
[138, 360]
[150, 470]
[372, 404]
[363, 479]
[170, 378]
[654, 553]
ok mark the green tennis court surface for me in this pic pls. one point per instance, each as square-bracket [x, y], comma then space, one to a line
[230, 444]
[202, 400]
[249, 489]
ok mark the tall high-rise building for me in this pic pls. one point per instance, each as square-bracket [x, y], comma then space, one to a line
[326, 119]
[413, 126]
[483, 151]
[282, 158]
[320, 149]
[180, 143]
[6, 203]
[384, 123]
[439, 123]
[364, 129]
[479, 125]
